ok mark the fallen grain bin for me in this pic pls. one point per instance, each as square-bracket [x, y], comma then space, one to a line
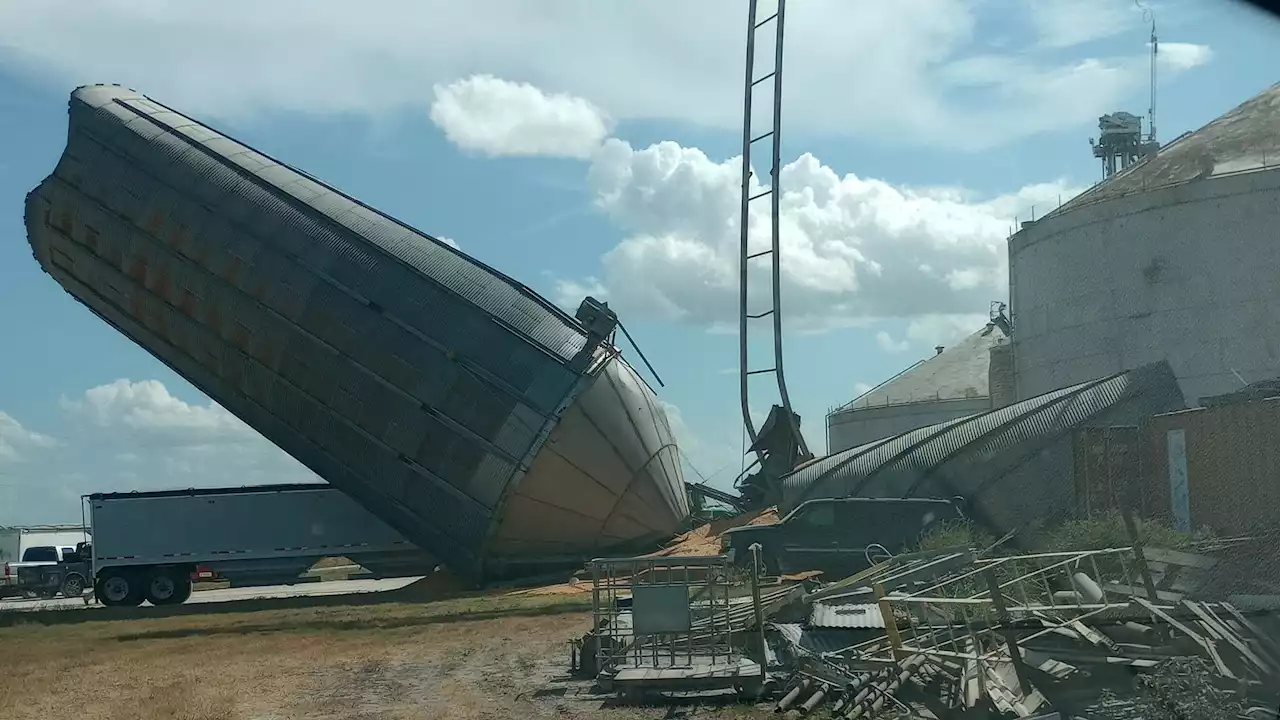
[1014, 465]
[486, 425]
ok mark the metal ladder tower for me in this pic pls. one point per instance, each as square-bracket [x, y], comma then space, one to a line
[749, 139]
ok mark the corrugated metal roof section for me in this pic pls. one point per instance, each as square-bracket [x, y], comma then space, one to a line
[958, 372]
[862, 615]
[1005, 461]
[1247, 138]
[391, 257]
[387, 383]
[818, 641]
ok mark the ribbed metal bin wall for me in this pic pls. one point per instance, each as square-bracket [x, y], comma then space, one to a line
[1012, 464]
[407, 374]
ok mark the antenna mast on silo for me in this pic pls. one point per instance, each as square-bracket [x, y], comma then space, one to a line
[782, 420]
[1149, 16]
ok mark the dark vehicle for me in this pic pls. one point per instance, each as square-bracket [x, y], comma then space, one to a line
[840, 536]
[68, 574]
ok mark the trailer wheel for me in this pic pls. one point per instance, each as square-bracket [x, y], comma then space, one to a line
[183, 591]
[162, 586]
[119, 587]
[73, 586]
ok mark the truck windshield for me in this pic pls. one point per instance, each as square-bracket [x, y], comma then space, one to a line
[43, 553]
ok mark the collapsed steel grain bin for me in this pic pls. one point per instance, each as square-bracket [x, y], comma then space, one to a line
[490, 428]
[1013, 465]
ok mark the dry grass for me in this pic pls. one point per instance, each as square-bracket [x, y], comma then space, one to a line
[469, 657]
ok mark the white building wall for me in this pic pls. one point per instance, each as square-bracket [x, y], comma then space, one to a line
[856, 426]
[1188, 273]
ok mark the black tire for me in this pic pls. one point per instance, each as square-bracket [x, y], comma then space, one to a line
[119, 587]
[184, 591]
[769, 558]
[164, 586]
[73, 586]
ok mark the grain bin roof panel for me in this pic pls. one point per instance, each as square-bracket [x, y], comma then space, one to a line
[411, 377]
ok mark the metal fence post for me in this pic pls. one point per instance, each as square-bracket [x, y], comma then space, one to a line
[759, 610]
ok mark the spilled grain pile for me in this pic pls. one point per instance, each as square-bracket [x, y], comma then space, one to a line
[705, 540]
[701, 541]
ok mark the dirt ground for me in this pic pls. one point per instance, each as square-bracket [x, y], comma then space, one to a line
[470, 657]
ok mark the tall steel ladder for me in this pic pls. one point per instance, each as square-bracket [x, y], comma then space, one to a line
[749, 140]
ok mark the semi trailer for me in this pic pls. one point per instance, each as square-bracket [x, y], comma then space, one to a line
[150, 546]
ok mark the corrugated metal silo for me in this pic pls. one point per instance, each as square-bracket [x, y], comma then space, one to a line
[472, 415]
[1172, 258]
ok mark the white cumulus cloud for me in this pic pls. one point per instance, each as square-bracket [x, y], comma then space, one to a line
[160, 440]
[497, 117]
[1183, 56]
[853, 249]
[870, 69]
[890, 345]
[16, 440]
[148, 407]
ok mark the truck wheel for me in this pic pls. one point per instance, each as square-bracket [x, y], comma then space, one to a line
[183, 591]
[162, 586]
[73, 586]
[119, 588]
[772, 565]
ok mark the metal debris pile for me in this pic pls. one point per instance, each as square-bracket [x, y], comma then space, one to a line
[1049, 635]
[951, 633]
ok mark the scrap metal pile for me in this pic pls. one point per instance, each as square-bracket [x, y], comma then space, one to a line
[958, 632]
[1049, 635]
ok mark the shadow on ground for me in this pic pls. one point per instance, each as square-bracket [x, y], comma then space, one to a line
[287, 625]
[421, 591]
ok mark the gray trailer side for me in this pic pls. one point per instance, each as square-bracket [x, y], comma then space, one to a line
[147, 545]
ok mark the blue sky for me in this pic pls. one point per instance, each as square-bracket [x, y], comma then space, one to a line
[917, 132]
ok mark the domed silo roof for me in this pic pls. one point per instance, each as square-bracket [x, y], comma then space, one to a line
[953, 383]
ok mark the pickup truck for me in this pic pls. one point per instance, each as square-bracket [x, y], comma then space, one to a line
[69, 576]
[839, 536]
[29, 576]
